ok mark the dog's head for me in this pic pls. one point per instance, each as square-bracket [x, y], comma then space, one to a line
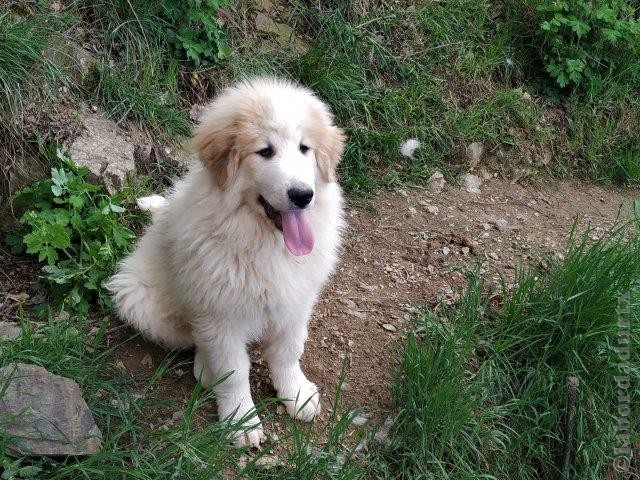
[280, 141]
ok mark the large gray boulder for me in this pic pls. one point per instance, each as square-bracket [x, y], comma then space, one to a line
[105, 150]
[45, 414]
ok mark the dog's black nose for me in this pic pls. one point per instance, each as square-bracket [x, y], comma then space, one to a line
[300, 197]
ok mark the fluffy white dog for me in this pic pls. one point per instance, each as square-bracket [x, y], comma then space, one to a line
[241, 248]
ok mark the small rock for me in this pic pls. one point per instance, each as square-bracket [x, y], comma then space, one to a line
[493, 255]
[45, 414]
[284, 34]
[360, 419]
[177, 416]
[446, 250]
[432, 209]
[474, 154]
[242, 461]
[485, 174]
[264, 23]
[382, 435]
[147, 361]
[267, 461]
[501, 224]
[119, 404]
[357, 313]
[465, 250]
[388, 327]
[9, 331]
[470, 182]
[436, 182]
[349, 303]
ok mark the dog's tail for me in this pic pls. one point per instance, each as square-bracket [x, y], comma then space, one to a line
[152, 203]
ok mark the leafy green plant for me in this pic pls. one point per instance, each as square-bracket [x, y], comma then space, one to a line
[586, 40]
[197, 31]
[76, 230]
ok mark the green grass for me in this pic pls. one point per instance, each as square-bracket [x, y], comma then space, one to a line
[195, 447]
[480, 388]
[482, 391]
[31, 47]
[448, 73]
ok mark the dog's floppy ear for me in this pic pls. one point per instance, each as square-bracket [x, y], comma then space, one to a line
[329, 151]
[214, 142]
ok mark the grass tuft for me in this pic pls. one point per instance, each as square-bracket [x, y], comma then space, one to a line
[483, 393]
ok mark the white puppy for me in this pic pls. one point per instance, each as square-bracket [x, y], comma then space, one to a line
[243, 245]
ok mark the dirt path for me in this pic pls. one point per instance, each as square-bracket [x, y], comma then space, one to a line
[400, 257]
[402, 254]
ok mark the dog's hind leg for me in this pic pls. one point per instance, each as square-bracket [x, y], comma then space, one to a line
[140, 302]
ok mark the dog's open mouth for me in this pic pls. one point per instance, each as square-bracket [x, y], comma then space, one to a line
[271, 212]
[294, 225]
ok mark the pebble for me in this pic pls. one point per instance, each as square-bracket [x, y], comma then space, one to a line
[9, 331]
[474, 153]
[470, 182]
[501, 224]
[349, 303]
[147, 361]
[360, 419]
[436, 182]
[267, 461]
[493, 255]
[388, 327]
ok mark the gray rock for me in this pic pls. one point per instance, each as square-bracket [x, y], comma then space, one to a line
[470, 182]
[501, 224]
[283, 33]
[82, 61]
[436, 182]
[105, 151]
[382, 435]
[360, 419]
[9, 331]
[474, 154]
[45, 414]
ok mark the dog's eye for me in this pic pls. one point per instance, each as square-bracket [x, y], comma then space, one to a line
[304, 148]
[266, 152]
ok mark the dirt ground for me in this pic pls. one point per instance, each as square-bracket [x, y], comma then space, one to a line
[400, 255]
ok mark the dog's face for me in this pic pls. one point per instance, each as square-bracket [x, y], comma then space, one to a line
[279, 140]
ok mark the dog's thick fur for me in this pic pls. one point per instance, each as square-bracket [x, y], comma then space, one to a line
[213, 271]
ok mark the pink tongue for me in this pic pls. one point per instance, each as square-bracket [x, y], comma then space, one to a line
[298, 236]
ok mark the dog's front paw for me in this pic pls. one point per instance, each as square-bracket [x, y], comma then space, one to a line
[304, 405]
[250, 436]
